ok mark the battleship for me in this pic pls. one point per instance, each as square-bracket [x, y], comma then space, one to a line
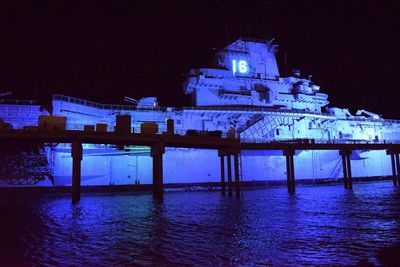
[242, 94]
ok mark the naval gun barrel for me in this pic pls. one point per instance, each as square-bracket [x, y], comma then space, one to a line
[5, 94]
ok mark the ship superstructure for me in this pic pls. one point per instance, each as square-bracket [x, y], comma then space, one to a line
[247, 74]
[242, 94]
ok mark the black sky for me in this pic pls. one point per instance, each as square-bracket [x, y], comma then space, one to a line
[103, 51]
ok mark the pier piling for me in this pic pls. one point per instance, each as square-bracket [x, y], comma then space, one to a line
[394, 154]
[394, 174]
[157, 152]
[236, 168]
[222, 160]
[229, 165]
[347, 178]
[397, 177]
[344, 162]
[76, 153]
[290, 170]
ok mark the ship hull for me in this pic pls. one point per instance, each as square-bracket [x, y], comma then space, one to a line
[109, 166]
[104, 165]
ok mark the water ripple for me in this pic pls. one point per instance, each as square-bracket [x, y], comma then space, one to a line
[323, 225]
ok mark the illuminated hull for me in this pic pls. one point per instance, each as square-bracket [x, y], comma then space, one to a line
[187, 166]
[106, 165]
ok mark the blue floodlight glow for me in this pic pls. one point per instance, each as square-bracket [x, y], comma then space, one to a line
[108, 165]
[240, 65]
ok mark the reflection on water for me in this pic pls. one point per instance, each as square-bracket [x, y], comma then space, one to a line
[317, 225]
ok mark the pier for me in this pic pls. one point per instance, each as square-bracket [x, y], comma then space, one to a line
[228, 150]
[157, 143]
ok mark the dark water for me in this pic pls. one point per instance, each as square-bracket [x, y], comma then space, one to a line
[317, 225]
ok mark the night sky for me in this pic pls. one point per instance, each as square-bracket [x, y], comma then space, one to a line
[103, 52]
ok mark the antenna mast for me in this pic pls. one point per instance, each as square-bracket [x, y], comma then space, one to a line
[286, 71]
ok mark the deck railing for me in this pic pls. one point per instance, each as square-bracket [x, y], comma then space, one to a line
[314, 141]
[87, 103]
[194, 108]
[18, 102]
